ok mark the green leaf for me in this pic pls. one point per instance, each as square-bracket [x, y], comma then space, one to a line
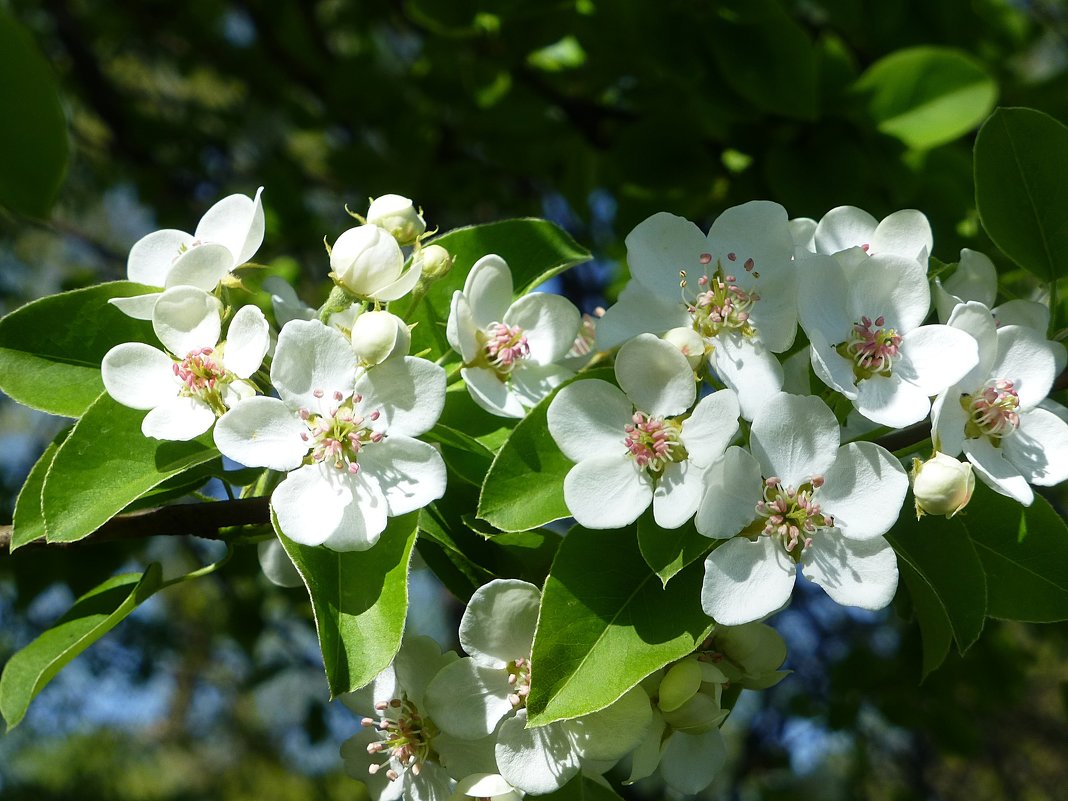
[1021, 188]
[33, 136]
[535, 251]
[105, 464]
[359, 599]
[92, 616]
[606, 622]
[782, 78]
[28, 523]
[461, 413]
[583, 788]
[945, 577]
[669, 550]
[936, 633]
[50, 349]
[927, 96]
[1025, 553]
[463, 454]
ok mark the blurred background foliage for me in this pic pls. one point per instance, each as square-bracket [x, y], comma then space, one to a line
[594, 114]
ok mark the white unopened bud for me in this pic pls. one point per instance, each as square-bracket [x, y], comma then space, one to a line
[397, 215]
[689, 343]
[942, 485]
[379, 335]
[435, 261]
[365, 259]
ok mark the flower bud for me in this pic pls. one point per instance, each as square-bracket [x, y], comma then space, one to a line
[689, 343]
[942, 485]
[435, 261]
[398, 216]
[365, 259]
[379, 335]
[679, 685]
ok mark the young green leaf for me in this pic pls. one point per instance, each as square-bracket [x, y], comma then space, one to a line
[1021, 188]
[105, 464]
[359, 600]
[606, 622]
[28, 523]
[669, 550]
[92, 616]
[50, 349]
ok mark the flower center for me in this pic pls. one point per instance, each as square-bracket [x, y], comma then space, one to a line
[519, 680]
[871, 347]
[792, 514]
[202, 377]
[505, 345]
[652, 442]
[405, 737]
[337, 437]
[993, 411]
[721, 306]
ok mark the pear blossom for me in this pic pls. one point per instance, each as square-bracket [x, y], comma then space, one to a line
[510, 350]
[942, 485]
[347, 439]
[799, 498]
[227, 236]
[198, 378]
[735, 286]
[486, 693]
[904, 233]
[993, 413]
[368, 263]
[401, 753]
[637, 446]
[397, 216]
[863, 318]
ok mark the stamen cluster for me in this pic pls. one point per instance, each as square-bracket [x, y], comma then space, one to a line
[722, 305]
[792, 514]
[406, 737]
[652, 441]
[200, 375]
[871, 347]
[505, 345]
[519, 681]
[993, 411]
[339, 436]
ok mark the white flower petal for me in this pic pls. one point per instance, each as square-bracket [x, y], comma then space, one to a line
[1027, 358]
[365, 516]
[284, 301]
[750, 369]
[607, 491]
[1039, 448]
[904, 233]
[319, 504]
[466, 757]
[794, 438]
[152, 256]
[746, 580]
[842, 228]
[536, 761]
[531, 383]
[202, 267]
[655, 376]
[830, 367]
[948, 419]
[892, 287]
[139, 307]
[409, 393]
[247, 340]
[187, 319]
[237, 222]
[996, 471]
[822, 297]
[276, 564]
[689, 762]
[498, 625]
[659, 247]
[934, 357]
[976, 278]
[488, 289]
[974, 319]
[709, 430]
[400, 287]
[610, 733]
[677, 493]
[492, 394]
[587, 418]
[418, 662]
[803, 232]
[309, 357]
[262, 432]
[486, 785]
[138, 375]
[733, 487]
[863, 490]
[366, 259]
[178, 418]
[1029, 313]
[550, 323]
[639, 311]
[411, 473]
[861, 573]
[461, 329]
[891, 401]
[468, 700]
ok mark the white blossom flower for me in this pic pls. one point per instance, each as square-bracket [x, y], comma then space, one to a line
[904, 233]
[738, 291]
[401, 753]
[801, 500]
[397, 216]
[368, 262]
[942, 485]
[863, 317]
[511, 351]
[992, 414]
[348, 440]
[186, 391]
[487, 692]
[637, 446]
[227, 236]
